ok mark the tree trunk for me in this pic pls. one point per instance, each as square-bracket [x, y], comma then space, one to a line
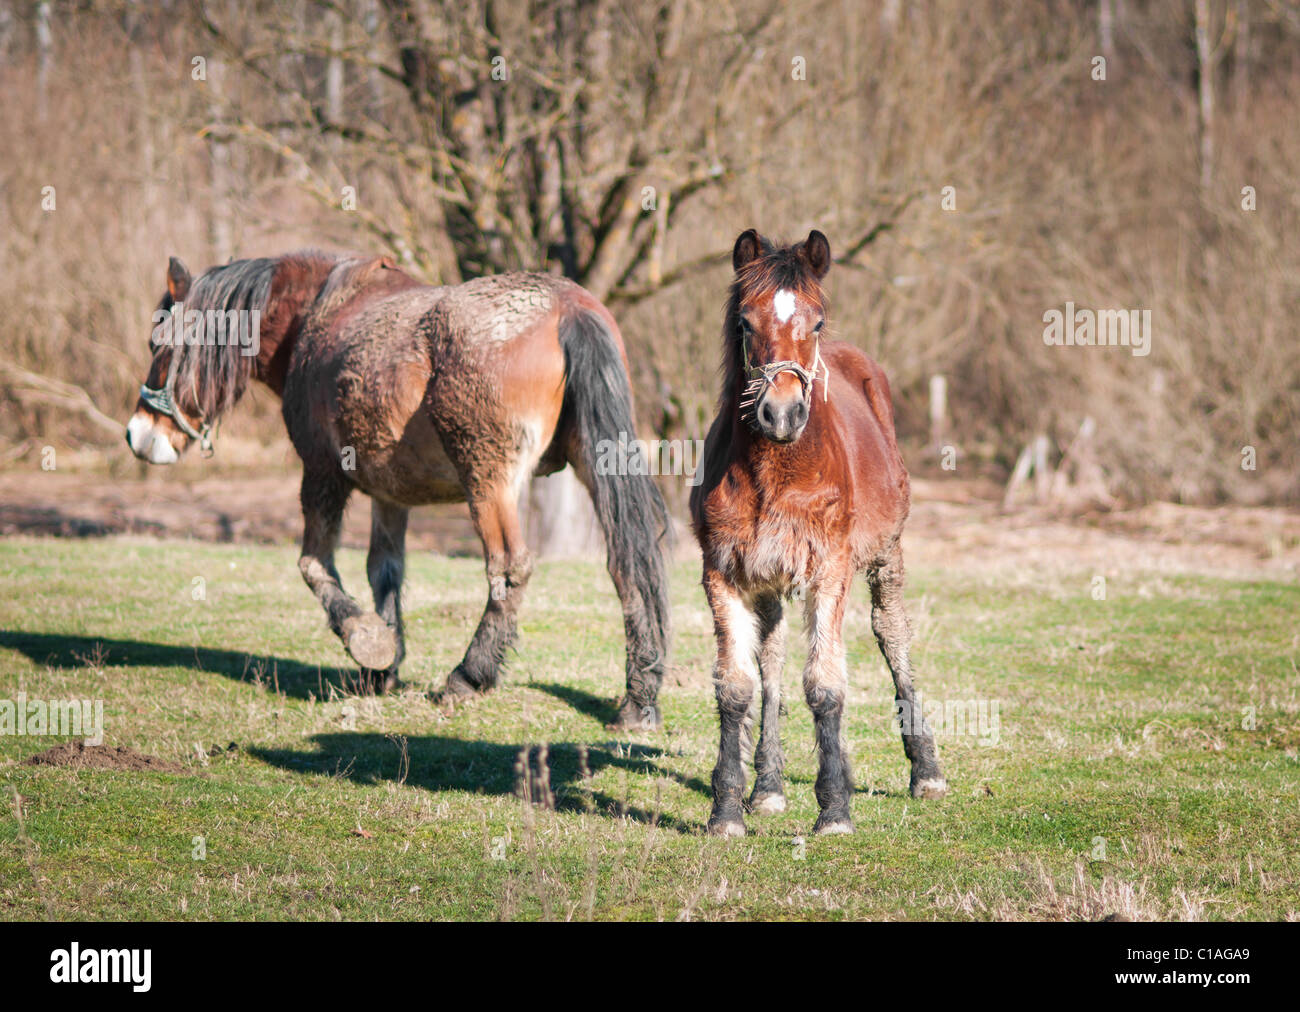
[1205, 92]
[220, 227]
[44, 49]
[559, 521]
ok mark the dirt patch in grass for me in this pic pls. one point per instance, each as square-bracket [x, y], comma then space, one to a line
[78, 755]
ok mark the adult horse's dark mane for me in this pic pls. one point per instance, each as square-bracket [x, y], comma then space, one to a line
[216, 375]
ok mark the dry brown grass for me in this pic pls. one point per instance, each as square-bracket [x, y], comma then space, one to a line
[1066, 189]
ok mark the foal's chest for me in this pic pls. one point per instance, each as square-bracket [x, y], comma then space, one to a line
[783, 539]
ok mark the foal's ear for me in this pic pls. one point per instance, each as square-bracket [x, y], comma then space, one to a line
[817, 251]
[748, 247]
[178, 279]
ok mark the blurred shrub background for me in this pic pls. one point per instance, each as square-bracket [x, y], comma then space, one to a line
[626, 144]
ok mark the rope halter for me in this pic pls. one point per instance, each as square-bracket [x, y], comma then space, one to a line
[759, 378]
[163, 401]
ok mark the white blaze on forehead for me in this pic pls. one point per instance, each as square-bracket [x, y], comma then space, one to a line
[783, 304]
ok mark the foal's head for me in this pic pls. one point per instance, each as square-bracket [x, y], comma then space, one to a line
[773, 331]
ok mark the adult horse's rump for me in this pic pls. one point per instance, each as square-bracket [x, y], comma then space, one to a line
[417, 394]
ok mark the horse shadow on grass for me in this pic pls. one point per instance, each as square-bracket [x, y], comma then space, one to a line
[276, 674]
[436, 763]
[606, 710]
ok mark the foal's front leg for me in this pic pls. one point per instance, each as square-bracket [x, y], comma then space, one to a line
[769, 762]
[825, 685]
[365, 635]
[735, 675]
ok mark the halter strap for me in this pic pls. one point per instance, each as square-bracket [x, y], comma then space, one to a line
[163, 401]
[759, 377]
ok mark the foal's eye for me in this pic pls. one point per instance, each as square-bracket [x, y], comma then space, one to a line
[818, 329]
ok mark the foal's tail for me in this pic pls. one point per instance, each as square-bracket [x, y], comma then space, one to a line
[598, 414]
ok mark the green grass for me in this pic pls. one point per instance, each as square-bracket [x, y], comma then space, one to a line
[1120, 721]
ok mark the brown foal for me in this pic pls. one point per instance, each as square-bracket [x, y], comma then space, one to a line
[803, 488]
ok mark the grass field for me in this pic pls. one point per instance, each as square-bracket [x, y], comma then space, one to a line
[1126, 777]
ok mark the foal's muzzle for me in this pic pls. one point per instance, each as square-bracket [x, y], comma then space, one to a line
[781, 420]
[780, 417]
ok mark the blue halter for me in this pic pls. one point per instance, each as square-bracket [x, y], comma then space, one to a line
[163, 401]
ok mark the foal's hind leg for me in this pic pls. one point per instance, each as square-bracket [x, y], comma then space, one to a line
[385, 565]
[889, 623]
[825, 686]
[509, 565]
[370, 642]
[769, 762]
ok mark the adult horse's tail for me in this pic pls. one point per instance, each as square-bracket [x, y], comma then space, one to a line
[598, 415]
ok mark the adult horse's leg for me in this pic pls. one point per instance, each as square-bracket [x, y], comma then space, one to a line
[889, 623]
[509, 565]
[825, 685]
[769, 762]
[385, 565]
[735, 676]
[370, 642]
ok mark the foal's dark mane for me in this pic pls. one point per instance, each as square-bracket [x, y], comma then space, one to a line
[778, 267]
[215, 376]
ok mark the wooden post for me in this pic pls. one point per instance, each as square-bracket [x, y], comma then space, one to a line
[1042, 476]
[938, 410]
[1018, 475]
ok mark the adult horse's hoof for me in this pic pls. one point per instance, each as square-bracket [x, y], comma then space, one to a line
[932, 788]
[458, 688]
[380, 682]
[838, 827]
[726, 828]
[369, 641]
[631, 717]
[767, 804]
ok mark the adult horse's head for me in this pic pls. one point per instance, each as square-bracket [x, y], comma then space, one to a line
[773, 331]
[204, 343]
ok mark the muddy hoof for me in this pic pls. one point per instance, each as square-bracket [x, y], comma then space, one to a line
[932, 788]
[767, 804]
[370, 642]
[457, 690]
[726, 828]
[631, 717]
[380, 683]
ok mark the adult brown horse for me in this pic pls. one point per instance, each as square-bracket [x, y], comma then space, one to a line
[416, 394]
[803, 488]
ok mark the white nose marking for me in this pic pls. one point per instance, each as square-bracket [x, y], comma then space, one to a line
[138, 431]
[783, 304]
[162, 451]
